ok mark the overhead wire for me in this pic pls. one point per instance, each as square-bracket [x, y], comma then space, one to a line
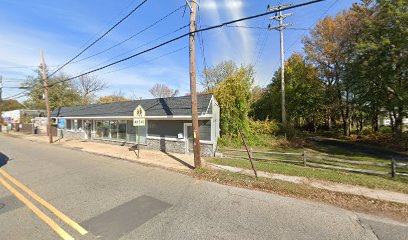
[304, 32]
[99, 38]
[132, 36]
[184, 35]
[140, 46]
[83, 45]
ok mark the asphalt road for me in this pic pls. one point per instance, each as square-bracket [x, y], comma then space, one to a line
[115, 199]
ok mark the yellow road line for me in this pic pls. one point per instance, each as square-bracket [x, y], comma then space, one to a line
[58, 213]
[61, 232]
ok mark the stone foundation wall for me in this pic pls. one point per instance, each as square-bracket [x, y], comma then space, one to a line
[71, 134]
[151, 144]
[165, 145]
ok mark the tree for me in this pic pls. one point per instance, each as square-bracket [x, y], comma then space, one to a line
[60, 94]
[331, 48]
[88, 86]
[114, 97]
[163, 91]
[383, 60]
[212, 77]
[233, 95]
[304, 94]
[9, 105]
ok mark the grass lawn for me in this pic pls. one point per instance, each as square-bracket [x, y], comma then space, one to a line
[397, 211]
[398, 184]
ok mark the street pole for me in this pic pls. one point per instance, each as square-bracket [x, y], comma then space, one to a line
[193, 85]
[279, 17]
[282, 70]
[47, 103]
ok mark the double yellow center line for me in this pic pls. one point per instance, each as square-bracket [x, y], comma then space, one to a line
[61, 232]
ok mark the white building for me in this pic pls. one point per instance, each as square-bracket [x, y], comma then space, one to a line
[17, 116]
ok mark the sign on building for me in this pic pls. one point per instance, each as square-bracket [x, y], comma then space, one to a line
[139, 116]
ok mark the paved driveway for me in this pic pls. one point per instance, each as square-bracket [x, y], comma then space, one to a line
[114, 199]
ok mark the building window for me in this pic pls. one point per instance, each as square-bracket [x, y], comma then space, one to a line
[135, 134]
[75, 125]
[122, 130]
[98, 128]
[114, 130]
[130, 132]
[165, 128]
[105, 129]
[80, 127]
[69, 124]
[205, 130]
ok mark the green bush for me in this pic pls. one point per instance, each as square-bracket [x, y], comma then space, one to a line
[263, 127]
[288, 131]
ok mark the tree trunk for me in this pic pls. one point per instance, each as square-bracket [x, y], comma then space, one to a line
[398, 123]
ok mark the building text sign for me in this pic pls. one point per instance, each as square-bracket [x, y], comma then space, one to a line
[139, 116]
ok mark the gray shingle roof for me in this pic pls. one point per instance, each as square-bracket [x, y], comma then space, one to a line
[172, 106]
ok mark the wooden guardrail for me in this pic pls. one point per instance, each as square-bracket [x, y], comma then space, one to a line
[306, 160]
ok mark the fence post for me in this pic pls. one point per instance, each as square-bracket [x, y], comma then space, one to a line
[304, 158]
[393, 168]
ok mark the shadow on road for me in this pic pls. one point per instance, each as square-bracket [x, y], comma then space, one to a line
[3, 159]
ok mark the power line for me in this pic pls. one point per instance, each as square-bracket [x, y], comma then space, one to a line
[187, 34]
[108, 23]
[310, 27]
[192, 32]
[142, 45]
[147, 61]
[83, 45]
[134, 35]
[304, 31]
[103, 35]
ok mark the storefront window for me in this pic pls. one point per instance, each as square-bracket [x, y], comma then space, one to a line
[105, 129]
[69, 124]
[122, 130]
[75, 125]
[114, 129]
[98, 129]
[80, 127]
[130, 132]
[133, 133]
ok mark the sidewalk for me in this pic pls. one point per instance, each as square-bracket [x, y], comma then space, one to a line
[336, 187]
[173, 161]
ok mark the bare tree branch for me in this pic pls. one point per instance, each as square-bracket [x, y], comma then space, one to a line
[163, 91]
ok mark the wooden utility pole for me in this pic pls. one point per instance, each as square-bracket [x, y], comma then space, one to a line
[193, 84]
[280, 17]
[47, 103]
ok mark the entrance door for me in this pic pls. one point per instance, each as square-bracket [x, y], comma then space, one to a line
[188, 136]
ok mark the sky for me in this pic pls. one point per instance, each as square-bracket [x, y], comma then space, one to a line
[62, 28]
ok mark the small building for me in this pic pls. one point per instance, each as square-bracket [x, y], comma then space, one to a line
[21, 115]
[167, 123]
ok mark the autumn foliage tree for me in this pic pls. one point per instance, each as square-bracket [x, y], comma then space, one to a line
[232, 89]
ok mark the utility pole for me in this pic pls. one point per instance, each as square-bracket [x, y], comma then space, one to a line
[47, 103]
[193, 85]
[279, 17]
